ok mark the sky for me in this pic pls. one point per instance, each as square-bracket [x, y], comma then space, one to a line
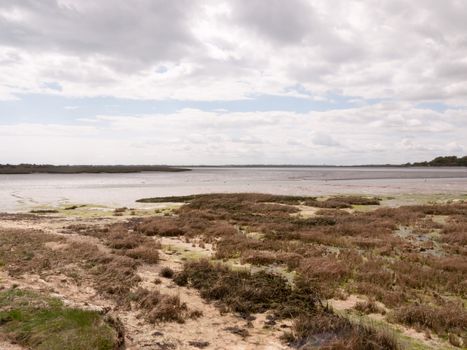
[188, 82]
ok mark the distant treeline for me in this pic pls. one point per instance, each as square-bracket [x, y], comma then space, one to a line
[443, 161]
[79, 169]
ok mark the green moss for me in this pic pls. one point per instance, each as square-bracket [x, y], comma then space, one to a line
[41, 323]
[420, 199]
[185, 254]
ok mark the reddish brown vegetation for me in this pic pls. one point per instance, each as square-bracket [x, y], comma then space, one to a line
[331, 332]
[160, 307]
[369, 307]
[391, 255]
[112, 275]
[442, 319]
[361, 252]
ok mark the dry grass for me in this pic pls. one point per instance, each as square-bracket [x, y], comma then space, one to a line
[113, 276]
[160, 307]
[455, 232]
[328, 331]
[334, 250]
[405, 258]
[341, 202]
[245, 292]
[267, 257]
[123, 240]
[358, 251]
[314, 325]
[163, 226]
[369, 307]
[148, 252]
[326, 273]
[450, 318]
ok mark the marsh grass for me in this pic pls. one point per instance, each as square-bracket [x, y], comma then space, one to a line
[334, 250]
[43, 323]
[44, 211]
[369, 307]
[450, 318]
[160, 307]
[402, 257]
[245, 292]
[314, 325]
[113, 275]
[331, 332]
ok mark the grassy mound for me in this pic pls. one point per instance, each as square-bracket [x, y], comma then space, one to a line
[44, 323]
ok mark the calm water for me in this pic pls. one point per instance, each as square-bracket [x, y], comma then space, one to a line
[20, 192]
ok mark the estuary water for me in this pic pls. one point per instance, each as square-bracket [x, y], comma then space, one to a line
[22, 192]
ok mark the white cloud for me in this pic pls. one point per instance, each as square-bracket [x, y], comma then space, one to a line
[413, 51]
[193, 136]
[46, 130]
[398, 52]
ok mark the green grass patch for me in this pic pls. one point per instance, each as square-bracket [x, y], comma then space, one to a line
[44, 323]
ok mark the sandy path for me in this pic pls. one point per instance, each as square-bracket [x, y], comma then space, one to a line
[4, 345]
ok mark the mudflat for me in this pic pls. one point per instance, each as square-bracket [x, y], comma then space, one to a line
[22, 192]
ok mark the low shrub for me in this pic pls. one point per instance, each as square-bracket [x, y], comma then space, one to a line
[148, 253]
[160, 307]
[443, 319]
[245, 292]
[326, 330]
[369, 307]
[325, 273]
[161, 226]
[167, 272]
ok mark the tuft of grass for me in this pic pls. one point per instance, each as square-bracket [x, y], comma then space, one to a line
[167, 272]
[162, 226]
[369, 307]
[43, 323]
[159, 307]
[450, 318]
[329, 331]
[326, 273]
[148, 254]
[245, 292]
[44, 211]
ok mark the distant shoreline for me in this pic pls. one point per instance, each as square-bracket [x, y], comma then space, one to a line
[84, 169]
[438, 162]
[323, 166]
[443, 161]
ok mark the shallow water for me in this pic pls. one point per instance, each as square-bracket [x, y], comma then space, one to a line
[21, 192]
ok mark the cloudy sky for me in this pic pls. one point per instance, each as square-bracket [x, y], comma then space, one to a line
[232, 82]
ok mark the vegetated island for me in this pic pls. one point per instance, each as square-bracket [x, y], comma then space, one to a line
[443, 161]
[80, 169]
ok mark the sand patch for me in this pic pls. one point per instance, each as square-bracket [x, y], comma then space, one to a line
[347, 304]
